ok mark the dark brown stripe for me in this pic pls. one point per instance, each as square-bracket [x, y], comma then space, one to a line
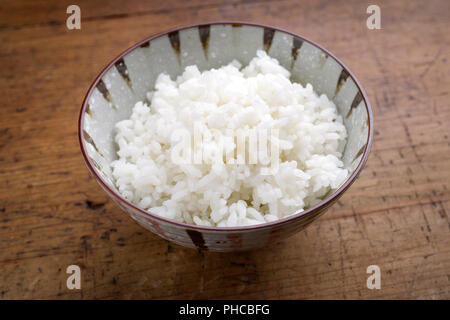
[204, 32]
[267, 38]
[356, 101]
[88, 109]
[123, 70]
[342, 78]
[296, 45]
[174, 38]
[96, 165]
[89, 139]
[236, 25]
[360, 152]
[197, 239]
[104, 91]
[145, 44]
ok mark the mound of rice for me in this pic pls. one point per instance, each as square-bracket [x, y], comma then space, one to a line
[311, 140]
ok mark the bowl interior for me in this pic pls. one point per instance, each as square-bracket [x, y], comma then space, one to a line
[127, 80]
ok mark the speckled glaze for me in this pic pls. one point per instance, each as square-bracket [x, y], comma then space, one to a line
[128, 77]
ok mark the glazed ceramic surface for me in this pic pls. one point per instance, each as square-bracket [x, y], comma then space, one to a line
[128, 78]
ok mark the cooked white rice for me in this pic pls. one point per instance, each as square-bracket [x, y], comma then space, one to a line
[311, 141]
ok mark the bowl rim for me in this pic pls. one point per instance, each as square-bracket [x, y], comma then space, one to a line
[277, 223]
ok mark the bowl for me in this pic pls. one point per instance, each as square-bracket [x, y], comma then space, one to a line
[127, 78]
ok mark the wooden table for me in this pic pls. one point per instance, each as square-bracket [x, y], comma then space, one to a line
[53, 214]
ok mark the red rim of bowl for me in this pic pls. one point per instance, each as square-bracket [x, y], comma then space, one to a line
[324, 203]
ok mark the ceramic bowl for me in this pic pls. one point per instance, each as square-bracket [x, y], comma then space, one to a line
[128, 77]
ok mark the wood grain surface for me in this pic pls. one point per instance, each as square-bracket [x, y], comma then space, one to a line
[53, 214]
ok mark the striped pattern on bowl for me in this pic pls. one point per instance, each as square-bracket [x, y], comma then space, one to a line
[128, 78]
